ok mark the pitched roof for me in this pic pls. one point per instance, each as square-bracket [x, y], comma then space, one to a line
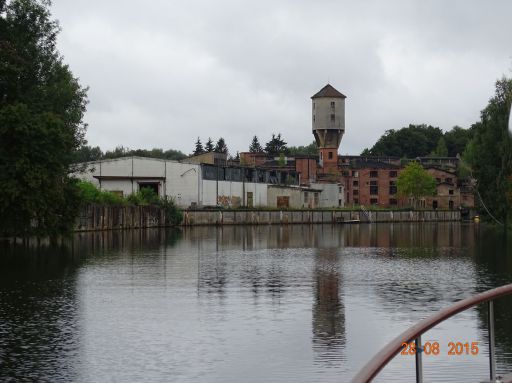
[329, 91]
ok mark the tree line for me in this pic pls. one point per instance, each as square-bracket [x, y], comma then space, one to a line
[219, 147]
[276, 146]
[89, 153]
[421, 141]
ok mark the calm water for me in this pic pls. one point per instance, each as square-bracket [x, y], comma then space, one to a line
[248, 304]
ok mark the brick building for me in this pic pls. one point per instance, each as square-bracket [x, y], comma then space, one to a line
[365, 181]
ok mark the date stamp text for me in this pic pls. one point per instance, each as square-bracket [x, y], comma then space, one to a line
[434, 348]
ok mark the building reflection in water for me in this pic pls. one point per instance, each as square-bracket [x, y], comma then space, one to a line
[276, 273]
[328, 308]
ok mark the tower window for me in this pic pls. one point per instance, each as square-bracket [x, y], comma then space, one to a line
[313, 118]
[332, 104]
[332, 117]
[330, 155]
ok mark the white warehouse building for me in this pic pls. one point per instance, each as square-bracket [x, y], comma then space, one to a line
[199, 185]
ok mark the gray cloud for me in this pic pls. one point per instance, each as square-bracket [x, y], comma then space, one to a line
[166, 72]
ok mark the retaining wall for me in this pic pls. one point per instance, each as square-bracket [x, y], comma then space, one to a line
[99, 217]
[255, 217]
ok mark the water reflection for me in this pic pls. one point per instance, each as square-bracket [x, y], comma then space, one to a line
[39, 335]
[328, 309]
[218, 303]
[492, 254]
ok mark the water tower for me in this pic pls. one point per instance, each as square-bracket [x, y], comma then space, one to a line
[328, 124]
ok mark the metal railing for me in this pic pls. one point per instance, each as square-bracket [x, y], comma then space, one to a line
[383, 357]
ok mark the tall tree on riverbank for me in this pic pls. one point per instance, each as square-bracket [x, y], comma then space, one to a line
[41, 110]
[489, 153]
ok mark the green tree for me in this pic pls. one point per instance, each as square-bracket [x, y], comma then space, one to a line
[489, 152]
[276, 145]
[199, 147]
[282, 160]
[169, 154]
[220, 146]
[441, 149]
[366, 152]
[172, 154]
[87, 153]
[410, 142]
[41, 110]
[308, 150]
[209, 145]
[457, 139]
[119, 151]
[415, 182]
[255, 146]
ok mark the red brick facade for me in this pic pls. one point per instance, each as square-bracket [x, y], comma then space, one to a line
[370, 183]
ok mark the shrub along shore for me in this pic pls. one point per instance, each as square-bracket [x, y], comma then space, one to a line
[91, 195]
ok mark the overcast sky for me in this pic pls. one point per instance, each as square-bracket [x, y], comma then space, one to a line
[161, 73]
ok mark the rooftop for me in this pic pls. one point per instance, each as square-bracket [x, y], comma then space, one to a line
[329, 91]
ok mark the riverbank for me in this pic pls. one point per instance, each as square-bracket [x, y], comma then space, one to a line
[103, 217]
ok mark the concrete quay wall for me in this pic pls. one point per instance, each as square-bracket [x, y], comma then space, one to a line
[102, 217]
[257, 217]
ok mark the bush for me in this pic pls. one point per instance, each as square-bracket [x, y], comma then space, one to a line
[173, 215]
[109, 198]
[145, 196]
[89, 193]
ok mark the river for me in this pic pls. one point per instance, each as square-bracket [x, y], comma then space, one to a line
[297, 303]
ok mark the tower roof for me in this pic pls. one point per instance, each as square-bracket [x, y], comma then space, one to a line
[329, 91]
